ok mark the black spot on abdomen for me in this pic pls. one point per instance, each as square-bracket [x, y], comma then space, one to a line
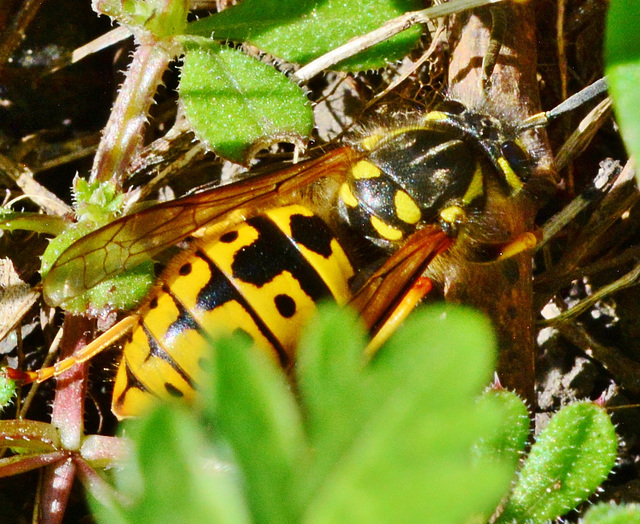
[285, 305]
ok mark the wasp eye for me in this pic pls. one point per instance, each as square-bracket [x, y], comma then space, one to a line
[517, 159]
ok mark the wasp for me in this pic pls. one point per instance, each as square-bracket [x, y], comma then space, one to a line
[360, 225]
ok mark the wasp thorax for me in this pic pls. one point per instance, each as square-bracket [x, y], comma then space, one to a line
[407, 177]
[428, 172]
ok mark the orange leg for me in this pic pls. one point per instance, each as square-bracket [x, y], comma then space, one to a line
[420, 288]
[101, 343]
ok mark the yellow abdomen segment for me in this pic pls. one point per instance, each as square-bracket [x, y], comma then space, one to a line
[264, 277]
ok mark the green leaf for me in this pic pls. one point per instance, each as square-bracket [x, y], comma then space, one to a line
[174, 477]
[301, 30]
[612, 514]
[58, 244]
[238, 105]
[622, 53]
[331, 377]
[250, 404]
[509, 437]
[37, 222]
[124, 291]
[162, 18]
[400, 450]
[568, 462]
[7, 392]
[449, 341]
[97, 202]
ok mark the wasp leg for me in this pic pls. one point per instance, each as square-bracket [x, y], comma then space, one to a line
[498, 27]
[101, 343]
[420, 288]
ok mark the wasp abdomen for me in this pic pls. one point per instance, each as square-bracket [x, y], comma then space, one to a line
[264, 277]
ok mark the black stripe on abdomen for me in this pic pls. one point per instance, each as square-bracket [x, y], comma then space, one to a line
[273, 253]
[219, 290]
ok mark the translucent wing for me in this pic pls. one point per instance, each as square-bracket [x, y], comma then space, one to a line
[132, 239]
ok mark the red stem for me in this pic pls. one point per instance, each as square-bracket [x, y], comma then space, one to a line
[68, 417]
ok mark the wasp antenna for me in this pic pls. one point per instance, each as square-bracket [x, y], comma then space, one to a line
[571, 103]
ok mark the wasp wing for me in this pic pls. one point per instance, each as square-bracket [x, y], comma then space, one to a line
[381, 294]
[133, 239]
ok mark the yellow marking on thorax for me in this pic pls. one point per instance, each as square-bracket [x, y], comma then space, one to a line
[406, 208]
[365, 169]
[347, 195]
[385, 230]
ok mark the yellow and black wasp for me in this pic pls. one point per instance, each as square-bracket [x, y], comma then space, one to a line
[361, 224]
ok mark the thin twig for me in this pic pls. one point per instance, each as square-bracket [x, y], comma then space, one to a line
[389, 29]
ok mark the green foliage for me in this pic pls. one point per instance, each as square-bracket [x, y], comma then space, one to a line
[401, 447]
[163, 18]
[36, 222]
[300, 30]
[97, 203]
[177, 476]
[622, 52]
[237, 104]
[122, 292]
[7, 392]
[509, 436]
[61, 242]
[568, 462]
[612, 514]
[399, 438]
[233, 101]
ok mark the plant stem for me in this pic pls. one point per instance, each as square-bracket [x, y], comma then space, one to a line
[68, 417]
[124, 132]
